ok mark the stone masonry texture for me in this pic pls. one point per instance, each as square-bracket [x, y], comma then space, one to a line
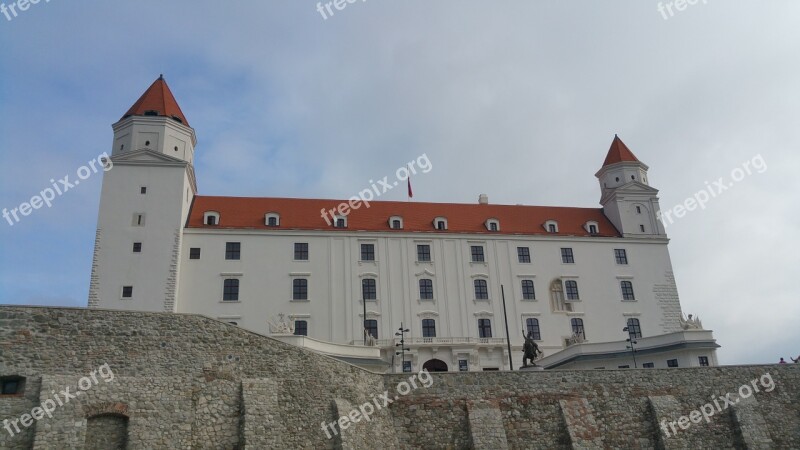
[190, 382]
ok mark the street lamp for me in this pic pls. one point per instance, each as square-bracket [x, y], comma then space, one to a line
[632, 340]
[402, 333]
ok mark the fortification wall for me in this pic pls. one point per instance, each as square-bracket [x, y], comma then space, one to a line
[186, 381]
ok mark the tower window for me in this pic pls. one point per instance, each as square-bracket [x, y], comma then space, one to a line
[477, 253]
[300, 328]
[143, 190]
[127, 291]
[151, 112]
[301, 251]
[300, 289]
[672, 363]
[703, 360]
[634, 329]
[423, 253]
[137, 247]
[532, 324]
[627, 290]
[230, 290]
[371, 325]
[571, 288]
[368, 252]
[577, 327]
[194, 253]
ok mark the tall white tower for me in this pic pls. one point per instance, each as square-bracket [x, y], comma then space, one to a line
[144, 205]
[627, 198]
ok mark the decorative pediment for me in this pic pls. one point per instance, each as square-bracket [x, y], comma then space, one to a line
[427, 272]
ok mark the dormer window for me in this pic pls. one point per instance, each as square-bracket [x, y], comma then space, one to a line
[551, 226]
[151, 112]
[177, 119]
[440, 223]
[396, 223]
[272, 220]
[493, 225]
[211, 218]
[591, 227]
[340, 222]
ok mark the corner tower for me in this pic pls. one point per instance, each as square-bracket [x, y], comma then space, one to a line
[144, 205]
[628, 200]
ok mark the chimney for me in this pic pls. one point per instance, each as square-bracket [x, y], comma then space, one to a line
[483, 199]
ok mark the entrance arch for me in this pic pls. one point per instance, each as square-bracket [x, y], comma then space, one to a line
[435, 365]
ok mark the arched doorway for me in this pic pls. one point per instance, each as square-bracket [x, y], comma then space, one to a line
[435, 365]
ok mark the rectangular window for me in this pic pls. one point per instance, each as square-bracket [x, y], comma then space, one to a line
[369, 289]
[300, 289]
[648, 365]
[426, 289]
[672, 363]
[301, 251]
[143, 190]
[396, 225]
[12, 385]
[371, 325]
[481, 290]
[428, 328]
[477, 253]
[703, 361]
[137, 247]
[127, 291]
[641, 228]
[300, 328]
[368, 252]
[621, 256]
[406, 366]
[634, 329]
[485, 328]
[194, 253]
[230, 290]
[423, 252]
[566, 256]
[528, 292]
[532, 324]
[524, 255]
[463, 365]
[233, 250]
[341, 223]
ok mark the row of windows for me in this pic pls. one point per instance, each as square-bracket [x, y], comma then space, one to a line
[212, 218]
[233, 252]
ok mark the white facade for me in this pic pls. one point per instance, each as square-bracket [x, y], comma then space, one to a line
[168, 274]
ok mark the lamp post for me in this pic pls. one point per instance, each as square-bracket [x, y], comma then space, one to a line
[632, 340]
[402, 333]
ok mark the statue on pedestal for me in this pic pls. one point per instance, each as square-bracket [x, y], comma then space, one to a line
[531, 350]
[691, 323]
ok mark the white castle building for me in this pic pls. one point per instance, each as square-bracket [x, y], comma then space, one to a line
[581, 280]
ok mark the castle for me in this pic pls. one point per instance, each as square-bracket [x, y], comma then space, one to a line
[593, 286]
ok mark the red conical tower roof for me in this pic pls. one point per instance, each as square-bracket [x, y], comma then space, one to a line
[157, 100]
[619, 152]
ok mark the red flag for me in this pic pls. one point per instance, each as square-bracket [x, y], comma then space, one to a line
[410, 193]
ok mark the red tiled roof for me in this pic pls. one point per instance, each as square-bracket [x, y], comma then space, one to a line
[619, 152]
[157, 98]
[305, 214]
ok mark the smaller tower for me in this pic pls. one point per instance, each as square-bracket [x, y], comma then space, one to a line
[628, 200]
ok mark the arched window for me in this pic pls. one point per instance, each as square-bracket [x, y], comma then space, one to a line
[577, 327]
[532, 324]
[557, 302]
[426, 289]
[340, 222]
[211, 218]
[627, 290]
[396, 223]
[493, 225]
[440, 223]
[481, 290]
[273, 220]
[634, 329]
[551, 226]
[571, 287]
[528, 292]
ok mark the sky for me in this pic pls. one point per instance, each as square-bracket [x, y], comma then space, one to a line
[519, 100]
